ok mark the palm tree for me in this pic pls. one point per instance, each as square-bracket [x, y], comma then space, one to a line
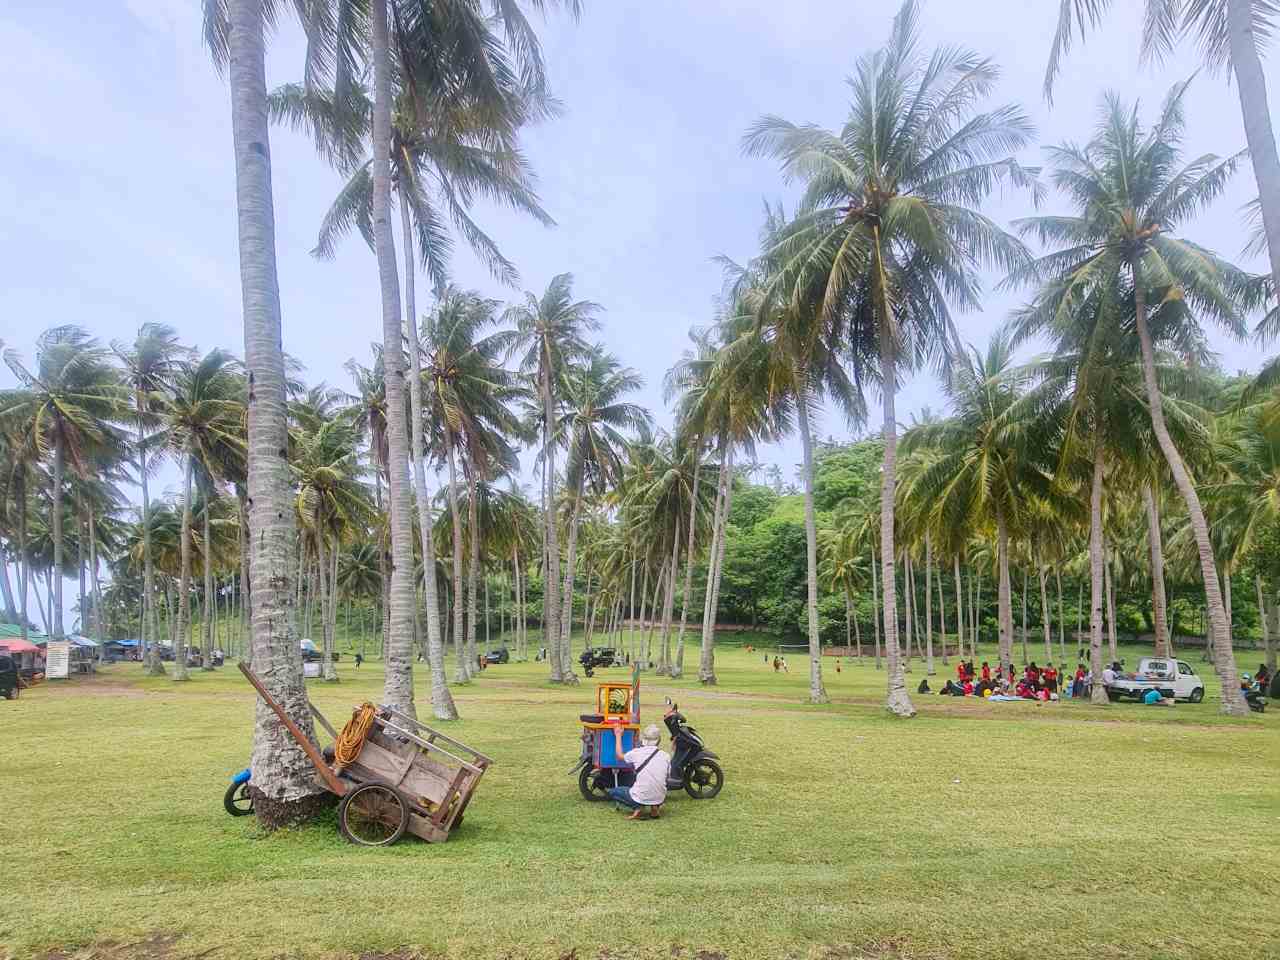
[1231, 34]
[68, 405]
[1132, 192]
[201, 426]
[149, 366]
[549, 336]
[888, 229]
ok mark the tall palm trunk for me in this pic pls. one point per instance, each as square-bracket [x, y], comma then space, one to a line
[98, 624]
[707, 661]
[243, 534]
[210, 595]
[571, 564]
[959, 607]
[461, 669]
[928, 604]
[720, 547]
[1272, 636]
[817, 693]
[1158, 608]
[328, 671]
[942, 615]
[1004, 602]
[897, 700]
[1252, 84]
[24, 561]
[664, 666]
[1062, 631]
[442, 705]
[907, 618]
[150, 626]
[644, 598]
[875, 606]
[688, 562]
[551, 592]
[473, 570]
[1111, 604]
[1099, 695]
[1044, 616]
[1223, 656]
[56, 587]
[184, 583]
[398, 682]
[1024, 615]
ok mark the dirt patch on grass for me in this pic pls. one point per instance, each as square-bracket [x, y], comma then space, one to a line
[87, 687]
[158, 946]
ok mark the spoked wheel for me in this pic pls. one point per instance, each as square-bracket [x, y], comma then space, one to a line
[703, 779]
[237, 800]
[373, 815]
[593, 785]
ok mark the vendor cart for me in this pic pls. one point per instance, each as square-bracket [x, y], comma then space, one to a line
[392, 774]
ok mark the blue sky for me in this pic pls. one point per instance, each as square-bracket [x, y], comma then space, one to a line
[117, 181]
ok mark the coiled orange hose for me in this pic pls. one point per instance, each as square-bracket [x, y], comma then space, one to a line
[346, 750]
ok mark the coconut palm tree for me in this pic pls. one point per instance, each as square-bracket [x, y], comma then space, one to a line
[889, 230]
[550, 338]
[1132, 192]
[69, 405]
[1231, 34]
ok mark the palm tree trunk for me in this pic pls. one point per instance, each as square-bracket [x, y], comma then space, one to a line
[1004, 600]
[664, 667]
[817, 693]
[1111, 605]
[442, 705]
[644, 596]
[959, 607]
[24, 561]
[1252, 84]
[398, 682]
[1158, 609]
[328, 672]
[976, 612]
[551, 578]
[848, 617]
[928, 604]
[907, 604]
[897, 700]
[1099, 695]
[210, 595]
[942, 614]
[56, 586]
[1223, 656]
[706, 664]
[99, 625]
[631, 606]
[184, 583]
[245, 602]
[473, 568]
[1269, 652]
[571, 564]
[1024, 615]
[1044, 616]
[688, 560]
[875, 605]
[150, 626]
[720, 547]
[461, 669]
[653, 612]
[1062, 631]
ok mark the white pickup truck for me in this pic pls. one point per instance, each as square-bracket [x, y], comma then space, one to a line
[1173, 678]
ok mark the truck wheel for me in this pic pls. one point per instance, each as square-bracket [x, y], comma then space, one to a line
[1196, 695]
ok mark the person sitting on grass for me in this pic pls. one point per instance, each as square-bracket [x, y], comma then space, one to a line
[651, 765]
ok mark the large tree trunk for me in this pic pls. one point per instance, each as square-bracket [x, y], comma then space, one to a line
[907, 603]
[1223, 656]
[24, 560]
[897, 700]
[942, 614]
[1024, 615]
[398, 683]
[1158, 604]
[210, 595]
[1111, 604]
[678, 670]
[55, 613]
[570, 566]
[442, 705]
[959, 607]
[461, 669]
[1271, 637]
[875, 606]
[636, 647]
[473, 569]
[1004, 602]
[720, 547]
[99, 626]
[706, 661]
[551, 580]
[1252, 84]
[327, 669]
[664, 666]
[817, 693]
[1045, 617]
[150, 626]
[928, 604]
[184, 582]
[1099, 695]
[1062, 630]
[243, 534]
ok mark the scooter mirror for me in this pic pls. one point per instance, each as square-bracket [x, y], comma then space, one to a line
[668, 699]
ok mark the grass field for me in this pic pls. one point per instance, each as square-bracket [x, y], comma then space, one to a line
[975, 830]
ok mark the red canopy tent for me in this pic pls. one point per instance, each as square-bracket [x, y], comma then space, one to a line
[16, 645]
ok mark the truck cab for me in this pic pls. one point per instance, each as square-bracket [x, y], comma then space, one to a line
[1169, 675]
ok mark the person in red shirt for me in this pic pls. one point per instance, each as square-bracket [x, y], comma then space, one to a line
[986, 672]
[1050, 678]
[960, 671]
[968, 688]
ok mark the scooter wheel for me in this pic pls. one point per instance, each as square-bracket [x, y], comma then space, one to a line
[703, 779]
[237, 800]
[592, 784]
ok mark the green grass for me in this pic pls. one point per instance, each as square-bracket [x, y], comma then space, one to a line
[975, 830]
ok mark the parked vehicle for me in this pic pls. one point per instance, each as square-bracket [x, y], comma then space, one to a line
[311, 652]
[8, 677]
[1172, 678]
[501, 655]
[166, 652]
[598, 657]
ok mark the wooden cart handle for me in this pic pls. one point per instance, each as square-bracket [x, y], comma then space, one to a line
[309, 748]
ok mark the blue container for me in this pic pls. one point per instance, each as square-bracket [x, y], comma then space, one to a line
[608, 752]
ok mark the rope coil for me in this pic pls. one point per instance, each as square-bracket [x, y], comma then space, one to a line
[346, 749]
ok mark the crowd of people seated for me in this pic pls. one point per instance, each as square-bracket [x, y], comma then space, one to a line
[1035, 683]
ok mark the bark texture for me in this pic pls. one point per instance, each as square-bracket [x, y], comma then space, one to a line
[817, 693]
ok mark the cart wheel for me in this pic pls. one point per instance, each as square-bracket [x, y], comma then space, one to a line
[703, 779]
[373, 815]
[237, 800]
[592, 786]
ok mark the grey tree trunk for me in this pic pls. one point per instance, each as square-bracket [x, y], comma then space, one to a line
[473, 570]
[706, 660]
[1158, 604]
[1099, 694]
[907, 604]
[210, 595]
[184, 583]
[664, 665]
[24, 560]
[942, 614]
[551, 590]
[398, 682]
[1062, 631]
[1223, 656]
[55, 614]
[1004, 602]
[1024, 615]
[1269, 652]
[678, 670]
[959, 607]
[897, 700]
[631, 607]
[442, 705]
[977, 617]
[1252, 84]
[817, 692]
[99, 625]
[327, 669]
[1045, 617]
[928, 604]
[570, 565]
[1111, 605]
[720, 547]
[461, 669]
[150, 627]
[243, 534]
[644, 598]
[875, 605]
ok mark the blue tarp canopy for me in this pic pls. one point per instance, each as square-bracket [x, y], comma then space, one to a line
[123, 643]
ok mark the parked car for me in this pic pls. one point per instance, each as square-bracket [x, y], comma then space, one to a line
[8, 677]
[598, 657]
[166, 653]
[501, 655]
[1173, 678]
[311, 652]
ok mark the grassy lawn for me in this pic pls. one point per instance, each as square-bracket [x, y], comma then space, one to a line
[976, 830]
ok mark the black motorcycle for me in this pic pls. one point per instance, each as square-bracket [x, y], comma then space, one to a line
[693, 766]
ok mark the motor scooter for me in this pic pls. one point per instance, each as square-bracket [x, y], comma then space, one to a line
[693, 767]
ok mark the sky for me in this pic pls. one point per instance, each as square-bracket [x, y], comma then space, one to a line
[117, 181]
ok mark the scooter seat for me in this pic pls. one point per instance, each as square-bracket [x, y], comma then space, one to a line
[591, 717]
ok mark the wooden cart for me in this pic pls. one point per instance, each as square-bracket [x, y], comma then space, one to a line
[406, 776]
